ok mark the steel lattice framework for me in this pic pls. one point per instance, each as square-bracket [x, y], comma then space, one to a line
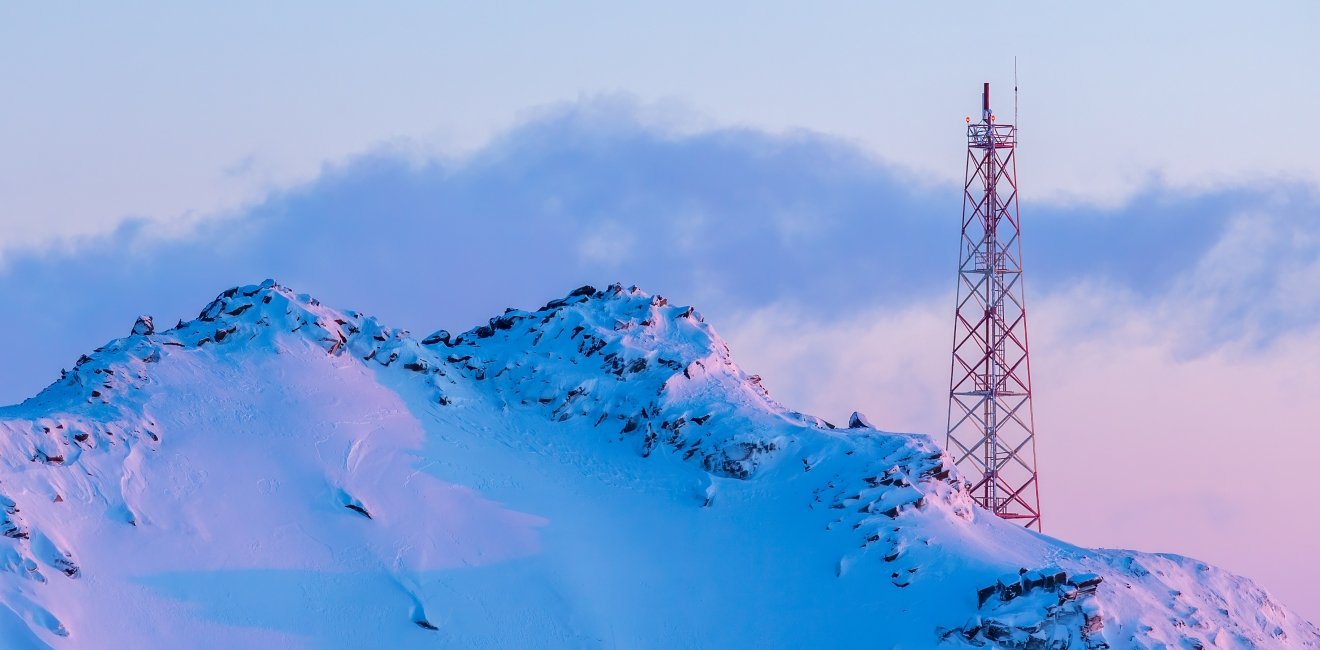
[991, 426]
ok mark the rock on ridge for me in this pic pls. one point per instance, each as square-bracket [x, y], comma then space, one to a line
[639, 368]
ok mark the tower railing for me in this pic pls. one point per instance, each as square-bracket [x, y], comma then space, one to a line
[984, 136]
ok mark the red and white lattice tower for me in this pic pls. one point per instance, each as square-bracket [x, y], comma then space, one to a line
[991, 428]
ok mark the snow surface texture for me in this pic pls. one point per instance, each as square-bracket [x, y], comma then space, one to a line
[596, 473]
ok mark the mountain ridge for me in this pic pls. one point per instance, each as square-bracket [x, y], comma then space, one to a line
[613, 392]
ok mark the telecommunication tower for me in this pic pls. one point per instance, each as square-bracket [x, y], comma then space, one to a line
[991, 427]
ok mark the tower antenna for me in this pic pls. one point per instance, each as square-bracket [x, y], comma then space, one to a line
[1015, 94]
[991, 425]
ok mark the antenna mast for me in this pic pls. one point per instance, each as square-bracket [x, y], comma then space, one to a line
[991, 426]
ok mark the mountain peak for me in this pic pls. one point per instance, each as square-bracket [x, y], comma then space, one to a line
[632, 363]
[270, 304]
[248, 315]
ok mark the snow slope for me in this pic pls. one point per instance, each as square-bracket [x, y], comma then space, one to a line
[595, 473]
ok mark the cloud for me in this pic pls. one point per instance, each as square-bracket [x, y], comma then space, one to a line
[602, 190]
[610, 246]
[890, 362]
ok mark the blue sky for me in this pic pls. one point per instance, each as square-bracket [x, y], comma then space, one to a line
[172, 111]
[792, 171]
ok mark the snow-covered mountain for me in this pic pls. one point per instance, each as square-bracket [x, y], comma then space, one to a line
[595, 473]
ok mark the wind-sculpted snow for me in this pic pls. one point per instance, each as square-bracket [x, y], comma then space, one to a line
[595, 473]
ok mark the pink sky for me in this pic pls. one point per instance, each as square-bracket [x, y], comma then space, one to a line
[1141, 444]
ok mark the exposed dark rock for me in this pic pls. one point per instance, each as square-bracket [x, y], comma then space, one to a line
[144, 326]
[66, 566]
[440, 337]
[212, 310]
[49, 459]
[11, 529]
[648, 444]
[1086, 581]
[1005, 619]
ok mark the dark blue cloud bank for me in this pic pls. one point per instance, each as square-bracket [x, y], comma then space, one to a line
[728, 219]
